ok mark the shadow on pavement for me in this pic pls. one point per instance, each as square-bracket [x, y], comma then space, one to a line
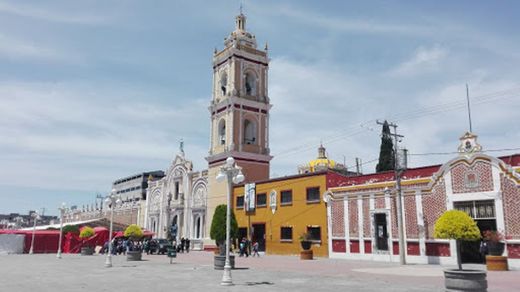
[259, 283]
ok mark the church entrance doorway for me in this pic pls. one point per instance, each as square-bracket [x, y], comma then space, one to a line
[259, 235]
[483, 212]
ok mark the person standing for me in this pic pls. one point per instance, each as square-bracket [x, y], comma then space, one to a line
[183, 242]
[187, 245]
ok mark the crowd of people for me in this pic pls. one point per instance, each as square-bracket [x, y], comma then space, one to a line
[122, 245]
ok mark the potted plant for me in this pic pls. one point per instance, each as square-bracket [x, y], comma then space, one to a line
[134, 233]
[218, 233]
[306, 243]
[458, 225]
[85, 234]
[494, 241]
[495, 245]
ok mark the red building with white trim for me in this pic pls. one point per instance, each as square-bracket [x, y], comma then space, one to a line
[362, 222]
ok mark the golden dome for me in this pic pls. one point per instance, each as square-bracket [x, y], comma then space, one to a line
[322, 162]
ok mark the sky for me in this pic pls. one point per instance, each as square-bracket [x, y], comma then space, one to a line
[93, 91]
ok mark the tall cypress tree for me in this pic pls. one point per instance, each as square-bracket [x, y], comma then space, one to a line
[386, 154]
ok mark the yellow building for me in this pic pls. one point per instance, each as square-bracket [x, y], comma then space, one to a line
[284, 209]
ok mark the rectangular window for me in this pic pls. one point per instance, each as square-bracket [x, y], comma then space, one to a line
[314, 233]
[261, 200]
[240, 202]
[313, 195]
[286, 234]
[286, 197]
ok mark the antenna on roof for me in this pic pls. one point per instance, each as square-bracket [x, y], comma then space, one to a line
[469, 109]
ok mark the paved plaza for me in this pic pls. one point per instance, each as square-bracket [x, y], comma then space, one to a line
[194, 272]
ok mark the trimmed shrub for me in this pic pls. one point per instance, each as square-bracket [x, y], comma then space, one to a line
[134, 232]
[86, 232]
[218, 225]
[455, 224]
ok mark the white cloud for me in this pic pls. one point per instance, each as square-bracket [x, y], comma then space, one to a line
[346, 24]
[55, 129]
[14, 48]
[423, 60]
[55, 15]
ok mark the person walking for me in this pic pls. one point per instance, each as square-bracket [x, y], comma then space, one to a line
[255, 249]
[183, 242]
[242, 247]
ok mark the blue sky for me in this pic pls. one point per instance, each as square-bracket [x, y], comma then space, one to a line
[91, 91]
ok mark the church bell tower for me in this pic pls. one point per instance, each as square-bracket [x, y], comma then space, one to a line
[239, 111]
[240, 105]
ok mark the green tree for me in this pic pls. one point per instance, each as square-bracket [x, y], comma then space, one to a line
[71, 228]
[386, 153]
[218, 226]
[455, 224]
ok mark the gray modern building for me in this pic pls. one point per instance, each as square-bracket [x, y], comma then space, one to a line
[133, 188]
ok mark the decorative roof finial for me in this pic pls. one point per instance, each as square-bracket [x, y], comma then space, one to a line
[181, 146]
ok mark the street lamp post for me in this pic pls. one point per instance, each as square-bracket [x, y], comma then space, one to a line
[233, 175]
[112, 200]
[36, 217]
[62, 209]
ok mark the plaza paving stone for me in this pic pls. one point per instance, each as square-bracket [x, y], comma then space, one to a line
[194, 272]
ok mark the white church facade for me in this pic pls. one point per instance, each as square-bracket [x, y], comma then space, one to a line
[179, 198]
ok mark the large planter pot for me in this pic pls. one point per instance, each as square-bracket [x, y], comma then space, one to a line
[87, 250]
[220, 261]
[134, 255]
[465, 280]
[496, 263]
[495, 248]
[306, 245]
[306, 254]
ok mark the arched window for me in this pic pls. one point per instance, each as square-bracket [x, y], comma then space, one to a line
[250, 83]
[249, 132]
[176, 190]
[222, 132]
[223, 83]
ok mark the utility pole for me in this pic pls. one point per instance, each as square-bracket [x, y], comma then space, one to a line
[358, 165]
[398, 169]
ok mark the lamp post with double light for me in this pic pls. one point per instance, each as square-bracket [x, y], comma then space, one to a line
[62, 209]
[233, 175]
[35, 217]
[112, 200]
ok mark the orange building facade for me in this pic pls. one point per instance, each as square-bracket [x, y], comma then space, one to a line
[283, 209]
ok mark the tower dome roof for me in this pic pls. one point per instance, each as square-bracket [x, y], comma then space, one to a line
[322, 162]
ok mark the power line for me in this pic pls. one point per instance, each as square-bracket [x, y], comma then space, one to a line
[455, 152]
[351, 131]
